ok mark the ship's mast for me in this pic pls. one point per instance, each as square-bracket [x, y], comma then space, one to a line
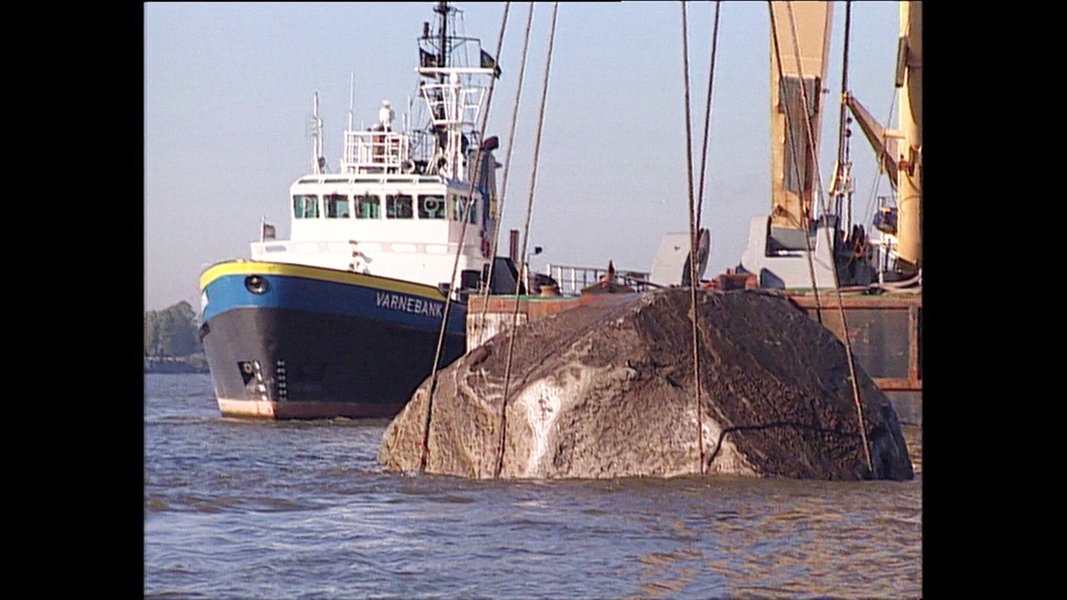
[351, 99]
[442, 62]
[442, 55]
[841, 188]
[316, 137]
[454, 94]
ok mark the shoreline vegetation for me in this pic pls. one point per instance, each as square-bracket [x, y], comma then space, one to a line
[193, 363]
[170, 341]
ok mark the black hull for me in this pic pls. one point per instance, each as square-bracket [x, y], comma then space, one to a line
[291, 364]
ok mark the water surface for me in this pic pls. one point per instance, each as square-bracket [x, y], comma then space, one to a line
[238, 509]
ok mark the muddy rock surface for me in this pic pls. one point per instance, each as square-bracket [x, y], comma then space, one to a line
[608, 389]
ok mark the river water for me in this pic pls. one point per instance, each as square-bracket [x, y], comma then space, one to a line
[237, 509]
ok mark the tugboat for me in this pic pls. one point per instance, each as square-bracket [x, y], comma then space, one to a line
[346, 318]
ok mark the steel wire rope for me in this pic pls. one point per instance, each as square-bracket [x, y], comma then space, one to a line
[803, 226]
[829, 241]
[692, 238]
[842, 181]
[473, 175]
[507, 172]
[843, 174]
[707, 114]
[872, 198]
[696, 217]
[881, 164]
[525, 239]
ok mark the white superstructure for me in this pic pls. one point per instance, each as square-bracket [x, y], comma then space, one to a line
[402, 204]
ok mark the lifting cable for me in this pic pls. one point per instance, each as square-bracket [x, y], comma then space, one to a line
[707, 116]
[692, 237]
[694, 217]
[473, 174]
[499, 217]
[843, 170]
[837, 287]
[525, 240]
[872, 198]
[803, 226]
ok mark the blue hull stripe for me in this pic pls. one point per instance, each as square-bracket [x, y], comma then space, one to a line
[228, 292]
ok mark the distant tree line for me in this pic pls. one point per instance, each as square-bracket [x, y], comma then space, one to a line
[171, 333]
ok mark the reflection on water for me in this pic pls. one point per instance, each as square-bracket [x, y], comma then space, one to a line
[235, 509]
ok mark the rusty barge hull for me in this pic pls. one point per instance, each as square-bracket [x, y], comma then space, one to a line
[885, 335]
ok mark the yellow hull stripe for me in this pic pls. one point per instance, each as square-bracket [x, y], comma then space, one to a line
[251, 267]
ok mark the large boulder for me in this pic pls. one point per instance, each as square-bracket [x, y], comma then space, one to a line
[607, 390]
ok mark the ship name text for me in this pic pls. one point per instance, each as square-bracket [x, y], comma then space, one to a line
[409, 304]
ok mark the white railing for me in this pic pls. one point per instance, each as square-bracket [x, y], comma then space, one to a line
[376, 151]
[451, 103]
[573, 279]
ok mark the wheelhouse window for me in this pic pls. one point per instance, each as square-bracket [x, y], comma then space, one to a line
[432, 206]
[368, 207]
[459, 209]
[398, 206]
[337, 206]
[305, 206]
[456, 212]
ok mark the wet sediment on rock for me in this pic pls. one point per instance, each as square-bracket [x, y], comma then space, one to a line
[607, 389]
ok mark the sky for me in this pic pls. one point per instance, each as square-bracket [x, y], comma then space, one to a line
[228, 91]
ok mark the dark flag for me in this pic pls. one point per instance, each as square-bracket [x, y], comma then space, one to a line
[427, 60]
[488, 62]
[268, 232]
